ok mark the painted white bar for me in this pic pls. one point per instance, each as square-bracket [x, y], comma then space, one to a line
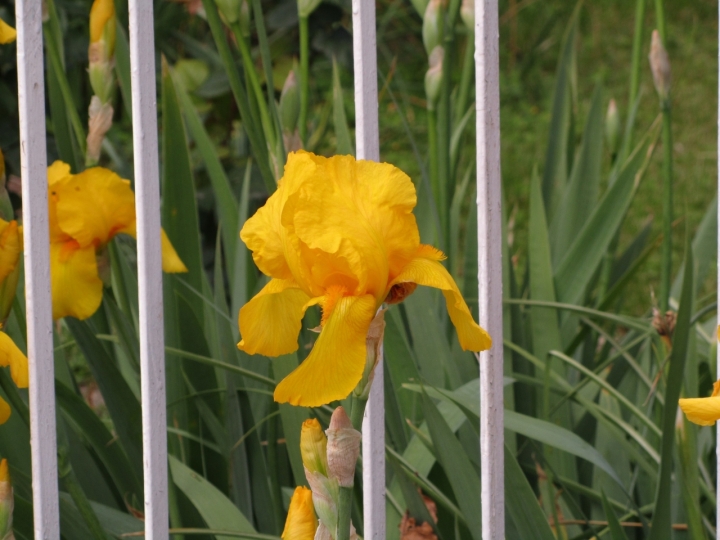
[33, 165]
[487, 81]
[147, 204]
[367, 146]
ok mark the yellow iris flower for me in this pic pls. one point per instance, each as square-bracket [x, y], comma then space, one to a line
[86, 211]
[7, 33]
[10, 355]
[339, 233]
[301, 522]
[703, 411]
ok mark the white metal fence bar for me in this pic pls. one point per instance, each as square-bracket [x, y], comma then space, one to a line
[487, 104]
[717, 373]
[367, 146]
[147, 203]
[33, 164]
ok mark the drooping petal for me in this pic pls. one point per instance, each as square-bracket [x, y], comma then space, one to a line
[10, 247]
[301, 522]
[336, 363]
[703, 411]
[171, 262]
[11, 356]
[94, 205]
[76, 287]
[4, 411]
[425, 269]
[7, 35]
[271, 321]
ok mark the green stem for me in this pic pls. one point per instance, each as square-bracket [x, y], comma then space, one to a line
[660, 17]
[71, 484]
[636, 52]
[466, 79]
[666, 268]
[304, 77]
[433, 155]
[249, 65]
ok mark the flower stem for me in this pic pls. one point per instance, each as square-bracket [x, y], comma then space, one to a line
[357, 410]
[666, 267]
[304, 77]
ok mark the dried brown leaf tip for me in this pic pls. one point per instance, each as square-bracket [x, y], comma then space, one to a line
[411, 530]
[664, 324]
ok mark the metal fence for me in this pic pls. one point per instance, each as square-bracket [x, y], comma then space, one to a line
[152, 347]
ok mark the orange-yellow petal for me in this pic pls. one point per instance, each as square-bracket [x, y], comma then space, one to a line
[7, 35]
[101, 12]
[94, 205]
[10, 247]
[4, 411]
[301, 522]
[271, 321]
[171, 262]
[702, 411]
[11, 356]
[76, 287]
[57, 172]
[337, 361]
[425, 269]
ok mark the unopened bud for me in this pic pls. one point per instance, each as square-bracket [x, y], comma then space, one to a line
[343, 448]
[467, 13]
[7, 33]
[6, 502]
[313, 447]
[290, 103]
[325, 494]
[323, 533]
[100, 120]
[612, 127]
[431, 30]
[230, 9]
[434, 76]
[301, 522]
[660, 66]
[101, 53]
[373, 346]
[306, 7]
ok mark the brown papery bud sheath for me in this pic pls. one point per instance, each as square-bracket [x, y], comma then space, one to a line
[343, 448]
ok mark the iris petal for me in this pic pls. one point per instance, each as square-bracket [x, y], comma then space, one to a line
[7, 35]
[4, 411]
[336, 363]
[10, 247]
[76, 287]
[301, 522]
[171, 262]
[702, 411]
[271, 321]
[11, 356]
[425, 269]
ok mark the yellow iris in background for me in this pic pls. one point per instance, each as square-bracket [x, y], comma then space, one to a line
[703, 411]
[301, 522]
[86, 211]
[10, 355]
[7, 33]
[339, 233]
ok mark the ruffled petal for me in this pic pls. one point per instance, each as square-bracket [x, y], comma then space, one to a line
[301, 522]
[76, 287]
[4, 411]
[425, 269]
[337, 361]
[271, 321]
[11, 356]
[7, 35]
[94, 205]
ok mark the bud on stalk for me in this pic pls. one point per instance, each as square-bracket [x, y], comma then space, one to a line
[290, 103]
[343, 448]
[660, 66]
[101, 53]
[306, 7]
[6, 503]
[467, 13]
[301, 523]
[99, 122]
[434, 76]
[432, 29]
[612, 127]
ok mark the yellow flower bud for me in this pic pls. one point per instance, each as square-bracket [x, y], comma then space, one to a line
[343, 448]
[660, 66]
[102, 21]
[7, 33]
[301, 522]
[102, 48]
[6, 501]
[313, 447]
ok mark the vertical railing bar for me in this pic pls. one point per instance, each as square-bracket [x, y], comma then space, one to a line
[367, 146]
[487, 80]
[33, 166]
[147, 201]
